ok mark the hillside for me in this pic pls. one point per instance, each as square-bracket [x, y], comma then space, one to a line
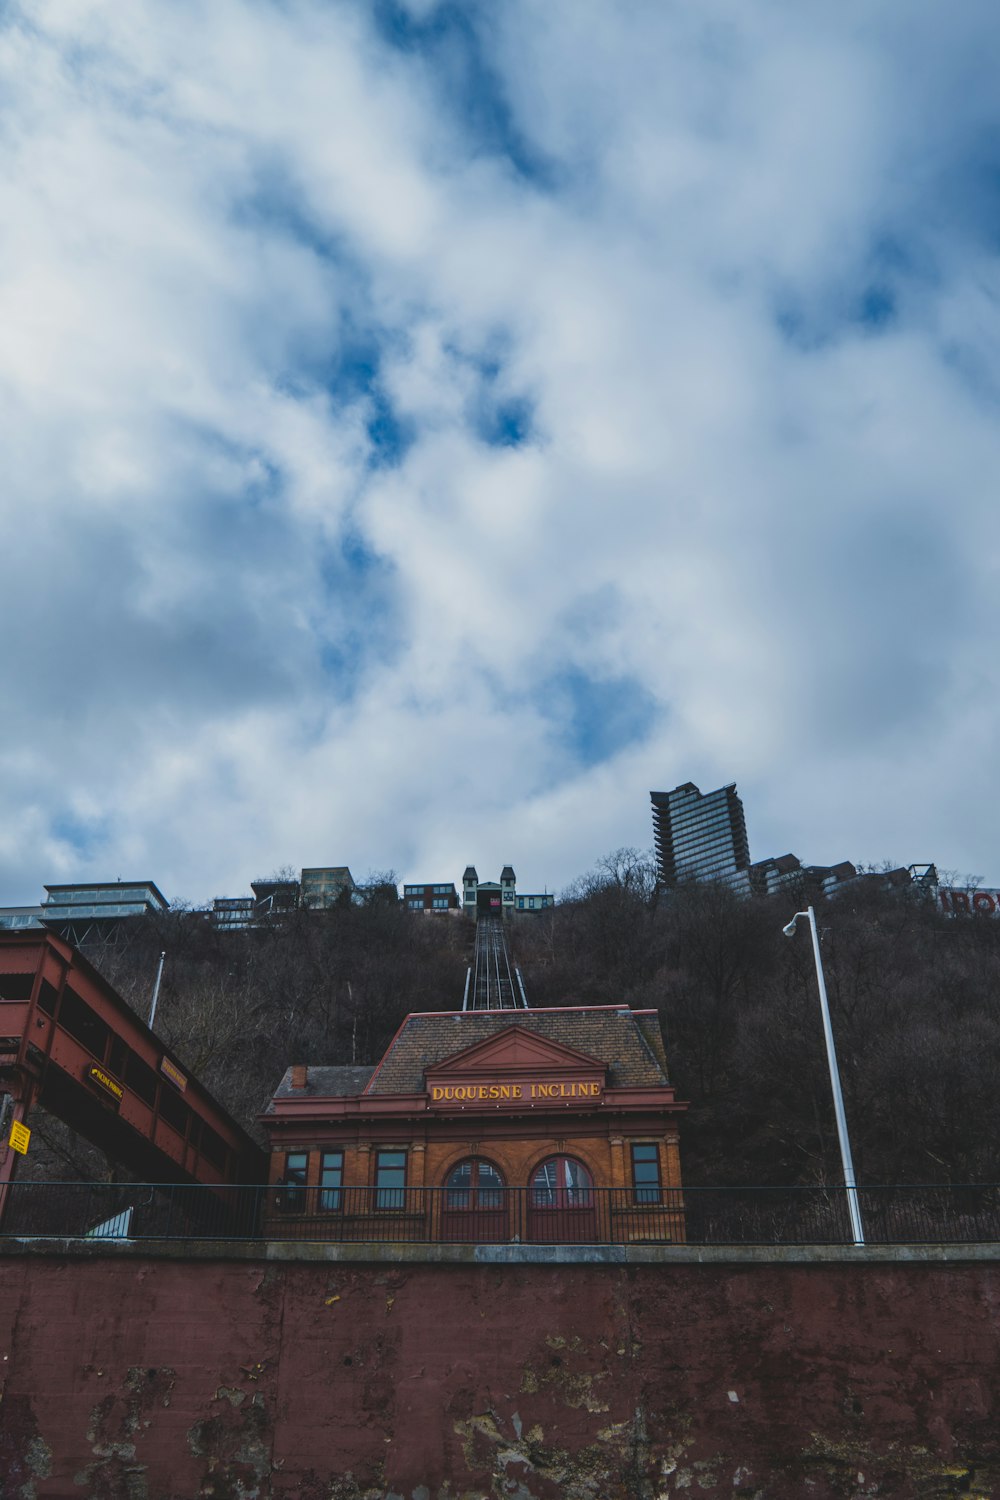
[915, 998]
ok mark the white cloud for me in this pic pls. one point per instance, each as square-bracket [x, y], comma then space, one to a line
[273, 293]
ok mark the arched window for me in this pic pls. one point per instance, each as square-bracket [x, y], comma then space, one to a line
[474, 1184]
[562, 1182]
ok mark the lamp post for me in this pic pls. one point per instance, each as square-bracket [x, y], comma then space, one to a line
[831, 1057]
[156, 993]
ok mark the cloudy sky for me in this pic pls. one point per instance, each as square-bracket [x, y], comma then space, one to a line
[427, 427]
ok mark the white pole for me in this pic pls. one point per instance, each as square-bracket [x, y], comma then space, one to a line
[838, 1098]
[156, 991]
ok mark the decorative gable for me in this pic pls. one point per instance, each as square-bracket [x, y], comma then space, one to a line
[517, 1050]
[513, 1069]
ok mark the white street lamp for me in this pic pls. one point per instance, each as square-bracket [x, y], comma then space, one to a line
[831, 1057]
[156, 993]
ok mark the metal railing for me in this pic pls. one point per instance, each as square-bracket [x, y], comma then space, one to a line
[963, 1214]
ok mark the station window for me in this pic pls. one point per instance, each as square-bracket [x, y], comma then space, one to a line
[415, 905]
[561, 1182]
[474, 1184]
[331, 1180]
[292, 1197]
[390, 1179]
[440, 903]
[646, 1172]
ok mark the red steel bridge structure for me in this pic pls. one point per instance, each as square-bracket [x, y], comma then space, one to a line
[70, 1043]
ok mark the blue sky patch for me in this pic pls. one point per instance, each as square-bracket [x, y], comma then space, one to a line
[877, 307]
[506, 424]
[597, 717]
[471, 87]
[83, 835]
[390, 435]
[362, 628]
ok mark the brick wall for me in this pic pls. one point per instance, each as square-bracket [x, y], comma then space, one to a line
[127, 1377]
[602, 1148]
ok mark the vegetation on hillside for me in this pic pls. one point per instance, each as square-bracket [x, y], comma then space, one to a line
[915, 998]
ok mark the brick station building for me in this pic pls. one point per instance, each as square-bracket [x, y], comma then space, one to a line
[553, 1125]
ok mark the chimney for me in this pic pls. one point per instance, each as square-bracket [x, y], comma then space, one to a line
[300, 1075]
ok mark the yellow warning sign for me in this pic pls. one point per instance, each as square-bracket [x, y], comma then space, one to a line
[20, 1135]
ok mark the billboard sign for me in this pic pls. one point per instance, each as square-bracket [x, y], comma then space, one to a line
[957, 902]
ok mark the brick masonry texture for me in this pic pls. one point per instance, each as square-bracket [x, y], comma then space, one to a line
[152, 1379]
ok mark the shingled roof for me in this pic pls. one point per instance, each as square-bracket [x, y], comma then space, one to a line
[324, 1083]
[628, 1042]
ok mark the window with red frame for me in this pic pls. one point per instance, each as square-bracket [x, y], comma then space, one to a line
[562, 1182]
[474, 1184]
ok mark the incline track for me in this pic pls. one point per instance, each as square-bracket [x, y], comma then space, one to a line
[493, 983]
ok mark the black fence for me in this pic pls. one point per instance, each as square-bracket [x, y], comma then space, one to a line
[968, 1214]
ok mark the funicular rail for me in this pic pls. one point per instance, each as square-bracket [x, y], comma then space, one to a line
[945, 1215]
[493, 983]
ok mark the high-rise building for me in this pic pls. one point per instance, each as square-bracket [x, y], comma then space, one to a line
[701, 836]
[704, 837]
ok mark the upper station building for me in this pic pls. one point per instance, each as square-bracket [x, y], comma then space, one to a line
[503, 1124]
[484, 898]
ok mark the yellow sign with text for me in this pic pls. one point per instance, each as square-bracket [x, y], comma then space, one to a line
[177, 1078]
[495, 1093]
[107, 1083]
[20, 1135]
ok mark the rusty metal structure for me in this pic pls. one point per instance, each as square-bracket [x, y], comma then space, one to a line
[70, 1043]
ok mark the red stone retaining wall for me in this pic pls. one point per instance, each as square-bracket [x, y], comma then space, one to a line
[145, 1379]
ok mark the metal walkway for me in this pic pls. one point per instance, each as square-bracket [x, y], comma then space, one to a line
[71, 1044]
[493, 983]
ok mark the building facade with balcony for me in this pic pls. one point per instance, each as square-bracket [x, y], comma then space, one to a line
[701, 835]
[546, 1125]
